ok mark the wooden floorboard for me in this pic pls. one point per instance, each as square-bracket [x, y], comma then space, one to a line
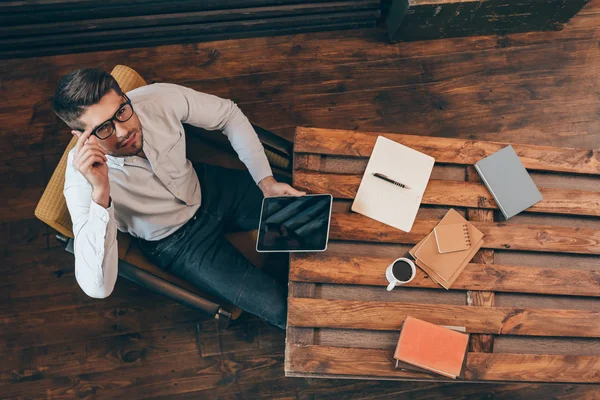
[536, 88]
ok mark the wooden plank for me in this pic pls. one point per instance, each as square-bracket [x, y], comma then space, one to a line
[502, 343]
[553, 345]
[79, 11]
[356, 227]
[456, 193]
[492, 320]
[447, 150]
[379, 364]
[477, 298]
[363, 270]
[91, 22]
[306, 161]
[211, 27]
[146, 40]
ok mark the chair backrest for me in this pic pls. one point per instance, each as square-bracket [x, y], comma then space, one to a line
[52, 207]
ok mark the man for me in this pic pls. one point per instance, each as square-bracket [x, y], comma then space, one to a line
[129, 172]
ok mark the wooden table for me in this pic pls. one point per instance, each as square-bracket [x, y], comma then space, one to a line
[529, 298]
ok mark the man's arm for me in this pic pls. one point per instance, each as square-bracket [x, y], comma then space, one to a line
[95, 230]
[214, 113]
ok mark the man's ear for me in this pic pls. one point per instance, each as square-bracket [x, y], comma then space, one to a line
[76, 132]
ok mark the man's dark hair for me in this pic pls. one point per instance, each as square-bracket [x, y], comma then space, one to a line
[79, 90]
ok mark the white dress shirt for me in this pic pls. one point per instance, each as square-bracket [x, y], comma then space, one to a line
[152, 198]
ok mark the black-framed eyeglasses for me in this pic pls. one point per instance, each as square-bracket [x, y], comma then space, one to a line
[107, 128]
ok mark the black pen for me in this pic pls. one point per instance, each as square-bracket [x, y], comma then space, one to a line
[385, 178]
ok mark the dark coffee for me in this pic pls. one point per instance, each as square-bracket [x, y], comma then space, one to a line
[402, 270]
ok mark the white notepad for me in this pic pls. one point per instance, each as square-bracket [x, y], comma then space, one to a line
[384, 201]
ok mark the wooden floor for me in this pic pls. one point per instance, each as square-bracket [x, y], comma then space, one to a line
[541, 88]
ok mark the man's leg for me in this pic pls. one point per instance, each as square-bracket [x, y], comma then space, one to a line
[203, 256]
[221, 270]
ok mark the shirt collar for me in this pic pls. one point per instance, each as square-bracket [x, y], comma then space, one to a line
[120, 161]
[116, 160]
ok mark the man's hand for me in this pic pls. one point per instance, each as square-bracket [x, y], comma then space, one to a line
[90, 160]
[271, 188]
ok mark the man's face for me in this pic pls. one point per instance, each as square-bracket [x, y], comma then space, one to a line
[126, 140]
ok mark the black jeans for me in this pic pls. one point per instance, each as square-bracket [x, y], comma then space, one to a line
[199, 253]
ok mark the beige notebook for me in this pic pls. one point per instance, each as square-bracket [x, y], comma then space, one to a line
[384, 201]
[452, 237]
[446, 268]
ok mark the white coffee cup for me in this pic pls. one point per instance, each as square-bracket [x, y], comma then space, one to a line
[393, 279]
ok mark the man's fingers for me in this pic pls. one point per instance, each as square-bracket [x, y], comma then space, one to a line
[86, 147]
[93, 140]
[81, 140]
[85, 154]
[87, 151]
[293, 192]
[87, 165]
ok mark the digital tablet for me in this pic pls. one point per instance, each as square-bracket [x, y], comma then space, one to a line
[293, 224]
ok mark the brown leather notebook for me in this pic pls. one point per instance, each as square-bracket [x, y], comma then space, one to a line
[445, 268]
[431, 347]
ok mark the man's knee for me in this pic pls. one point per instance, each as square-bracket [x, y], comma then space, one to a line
[275, 312]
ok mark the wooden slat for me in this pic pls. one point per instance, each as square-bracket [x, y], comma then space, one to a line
[205, 28]
[447, 150]
[388, 316]
[457, 193]
[354, 270]
[355, 362]
[146, 39]
[90, 21]
[78, 11]
[356, 227]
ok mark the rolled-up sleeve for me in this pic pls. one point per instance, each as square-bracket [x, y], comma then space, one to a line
[95, 231]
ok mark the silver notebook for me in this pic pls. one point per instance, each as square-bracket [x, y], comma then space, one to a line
[508, 181]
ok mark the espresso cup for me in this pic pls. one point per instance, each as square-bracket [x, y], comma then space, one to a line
[401, 271]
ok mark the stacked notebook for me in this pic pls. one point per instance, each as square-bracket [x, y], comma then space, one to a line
[424, 346]
[446, 251]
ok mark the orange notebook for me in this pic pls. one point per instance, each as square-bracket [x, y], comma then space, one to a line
[448, 266]
[432, 347]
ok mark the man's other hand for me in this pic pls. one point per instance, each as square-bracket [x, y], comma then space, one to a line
[271, 188]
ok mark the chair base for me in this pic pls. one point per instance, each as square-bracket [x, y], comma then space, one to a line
[168, 289]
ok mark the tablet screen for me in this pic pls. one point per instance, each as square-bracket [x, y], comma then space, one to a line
[294, 223]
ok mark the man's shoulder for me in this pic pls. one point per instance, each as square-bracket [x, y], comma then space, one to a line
[154, 91]
[157, 99]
